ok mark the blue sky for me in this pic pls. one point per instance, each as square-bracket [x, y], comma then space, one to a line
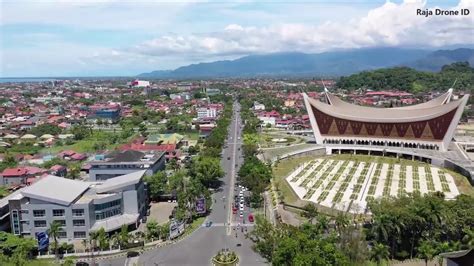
[113, 37]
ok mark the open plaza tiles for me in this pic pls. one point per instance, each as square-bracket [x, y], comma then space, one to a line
[348, 185]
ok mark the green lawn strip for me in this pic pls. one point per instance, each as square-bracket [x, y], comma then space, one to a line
[303, 171]
[444, 181]
[416, 179]
[388, 181]
[402, 180]
[282, 170]
[429, 179]
[335, 178]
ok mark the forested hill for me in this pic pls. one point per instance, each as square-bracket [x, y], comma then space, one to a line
[411, 80]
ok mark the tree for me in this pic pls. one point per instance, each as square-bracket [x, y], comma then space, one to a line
[142, 128]
[45, 129]
[468, 238]
[15, 250]
[123, 236]
[8, 162]
[81, 131]
[153, 230]
[207, 170]
[53, 231]
[341, 222]
[157, 184]
[426, 251]
[379, 253]
[102, 239]
[310, 212]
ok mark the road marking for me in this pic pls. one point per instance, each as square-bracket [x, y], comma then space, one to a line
[226, 224]
[232, 176]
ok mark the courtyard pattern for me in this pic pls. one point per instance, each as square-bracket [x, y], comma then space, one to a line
[347, 185]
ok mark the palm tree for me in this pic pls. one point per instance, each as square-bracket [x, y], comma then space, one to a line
[53, 231]
[426, 251]
[380, 253]
[442, 248]
[341, 222]
[123, 236]
[381, 228]
[323, 223]
[468, 238]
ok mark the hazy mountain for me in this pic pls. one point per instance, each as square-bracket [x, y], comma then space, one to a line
[435, 60]
[323, 64]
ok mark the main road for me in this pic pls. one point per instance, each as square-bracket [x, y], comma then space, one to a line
[198, 248]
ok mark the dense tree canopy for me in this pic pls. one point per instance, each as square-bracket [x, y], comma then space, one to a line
[410, 223]
[410, 80]
[45, 129]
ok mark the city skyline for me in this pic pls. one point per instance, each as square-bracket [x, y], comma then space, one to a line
[118, 38]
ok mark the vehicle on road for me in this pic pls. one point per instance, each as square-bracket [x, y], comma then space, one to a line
[241, 207]
[238, 244]
[234, 210]
[208, 223]
[250, 218]
[241, 214]
[228, 158]
[132, 253]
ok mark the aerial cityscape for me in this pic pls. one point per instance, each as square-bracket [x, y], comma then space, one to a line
[236, 133]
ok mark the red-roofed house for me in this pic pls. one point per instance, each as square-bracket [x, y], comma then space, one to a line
[19, 175]
[58, 170]
[72, 155]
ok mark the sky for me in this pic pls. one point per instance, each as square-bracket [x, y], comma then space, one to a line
[59, 38]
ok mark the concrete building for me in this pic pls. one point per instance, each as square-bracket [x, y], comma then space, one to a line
[139, 84]
[208, 112]
[429, 125]
[124, 162]
[80, 207]
[258, 106]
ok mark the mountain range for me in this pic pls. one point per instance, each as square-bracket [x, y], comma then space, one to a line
[337, 63]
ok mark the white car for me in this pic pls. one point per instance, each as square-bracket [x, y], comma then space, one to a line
[241, 207]
[241, 214]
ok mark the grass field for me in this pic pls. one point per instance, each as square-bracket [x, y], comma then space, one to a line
[282, 170]
[394, 180]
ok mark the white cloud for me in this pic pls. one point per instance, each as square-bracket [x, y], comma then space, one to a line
[388, 25]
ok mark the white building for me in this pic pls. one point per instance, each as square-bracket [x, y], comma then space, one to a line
[267, 120]
[208, 112]
[139, 83]
[80, 207]
[258, 106]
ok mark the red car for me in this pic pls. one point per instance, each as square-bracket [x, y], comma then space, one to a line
[250, 218]
[234, 210]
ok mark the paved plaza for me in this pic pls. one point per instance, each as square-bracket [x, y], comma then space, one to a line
[347, 185]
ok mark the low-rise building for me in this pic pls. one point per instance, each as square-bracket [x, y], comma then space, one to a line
[124, 162]
[206, 112]
[80, 207]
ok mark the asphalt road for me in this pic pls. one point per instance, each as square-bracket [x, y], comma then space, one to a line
[198, 248]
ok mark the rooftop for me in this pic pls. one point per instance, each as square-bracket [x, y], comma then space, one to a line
[56, 189]
[129, 156]
[120, 182]
[420, 112]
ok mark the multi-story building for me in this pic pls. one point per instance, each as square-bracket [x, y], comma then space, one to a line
[208, 112]
[124, 162]
[80, 207]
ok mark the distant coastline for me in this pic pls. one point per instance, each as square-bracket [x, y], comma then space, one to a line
[47, 79]
[25, 80]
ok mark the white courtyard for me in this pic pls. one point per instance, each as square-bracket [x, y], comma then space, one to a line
[346, 185]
